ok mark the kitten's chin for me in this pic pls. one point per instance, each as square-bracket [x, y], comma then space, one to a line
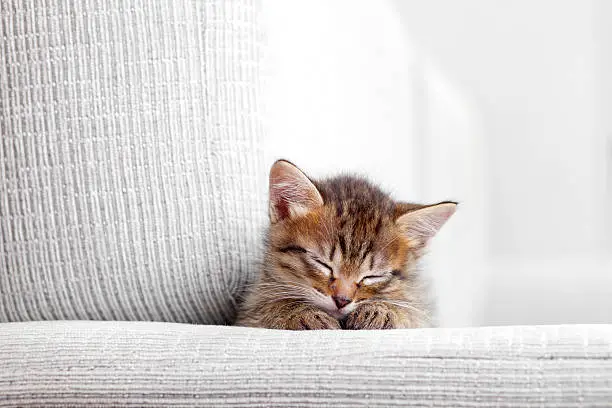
[340, 313]
[329, 307]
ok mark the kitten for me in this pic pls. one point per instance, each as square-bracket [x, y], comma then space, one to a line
[341, 254]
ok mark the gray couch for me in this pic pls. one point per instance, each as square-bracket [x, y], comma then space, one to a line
[170, 364]
[132, 201]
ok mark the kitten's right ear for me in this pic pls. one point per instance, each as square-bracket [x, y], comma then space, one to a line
[291, 192]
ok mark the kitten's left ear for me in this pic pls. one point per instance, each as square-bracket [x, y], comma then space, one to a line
[421, 223]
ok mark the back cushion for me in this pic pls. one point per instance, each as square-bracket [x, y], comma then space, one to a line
[130, 170]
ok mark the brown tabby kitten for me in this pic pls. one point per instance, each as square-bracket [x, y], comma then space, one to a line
[341, 254]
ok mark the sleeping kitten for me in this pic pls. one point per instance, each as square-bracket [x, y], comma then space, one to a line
[341, 254]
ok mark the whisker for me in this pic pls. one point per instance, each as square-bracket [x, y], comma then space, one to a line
[289, 289]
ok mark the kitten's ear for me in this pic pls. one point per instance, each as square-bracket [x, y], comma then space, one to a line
[421, 223]
[291, 192]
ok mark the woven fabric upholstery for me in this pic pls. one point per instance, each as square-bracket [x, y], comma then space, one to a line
[165, 364]
[130, 173]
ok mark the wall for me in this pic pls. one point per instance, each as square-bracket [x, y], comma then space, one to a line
[537, 71]
[603, 46]
[340, 94]
[501, 105]
[531, 67]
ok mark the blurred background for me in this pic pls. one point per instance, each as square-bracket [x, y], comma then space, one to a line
[502, 105]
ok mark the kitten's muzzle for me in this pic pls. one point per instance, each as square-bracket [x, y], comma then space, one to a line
[343, 291]
[341, 301]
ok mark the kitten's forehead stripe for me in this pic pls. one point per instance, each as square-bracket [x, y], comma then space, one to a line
[378, 226]
[339, 210]
[361, 210]
[333, 252]
[342, 243]
[367, 250]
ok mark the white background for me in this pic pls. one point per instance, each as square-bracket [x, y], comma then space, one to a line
[503, 106]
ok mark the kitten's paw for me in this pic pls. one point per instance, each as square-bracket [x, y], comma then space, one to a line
[312, 319]
[371, 316]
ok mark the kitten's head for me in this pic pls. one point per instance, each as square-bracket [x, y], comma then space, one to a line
[342, 241]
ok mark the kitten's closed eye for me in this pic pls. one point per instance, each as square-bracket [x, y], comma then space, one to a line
[329, 271]
[373, 279]
[322, 266]
[293, 248]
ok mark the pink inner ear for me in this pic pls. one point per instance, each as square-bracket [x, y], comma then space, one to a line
[424, 223]
[281, 205]
[290, 190]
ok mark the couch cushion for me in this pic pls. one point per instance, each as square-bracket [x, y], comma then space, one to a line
[131, 179]
[164, 364]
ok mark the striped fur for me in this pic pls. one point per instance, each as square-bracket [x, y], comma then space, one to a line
[341, 254]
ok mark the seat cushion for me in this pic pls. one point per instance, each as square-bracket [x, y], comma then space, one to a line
[131, 178]
[164, 364]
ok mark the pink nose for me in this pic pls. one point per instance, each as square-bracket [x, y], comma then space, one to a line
[341, 301]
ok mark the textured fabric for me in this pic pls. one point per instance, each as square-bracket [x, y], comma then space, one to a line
[130, 173]
[165, 364]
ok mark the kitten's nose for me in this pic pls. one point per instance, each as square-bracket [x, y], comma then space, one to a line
[341, 301]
